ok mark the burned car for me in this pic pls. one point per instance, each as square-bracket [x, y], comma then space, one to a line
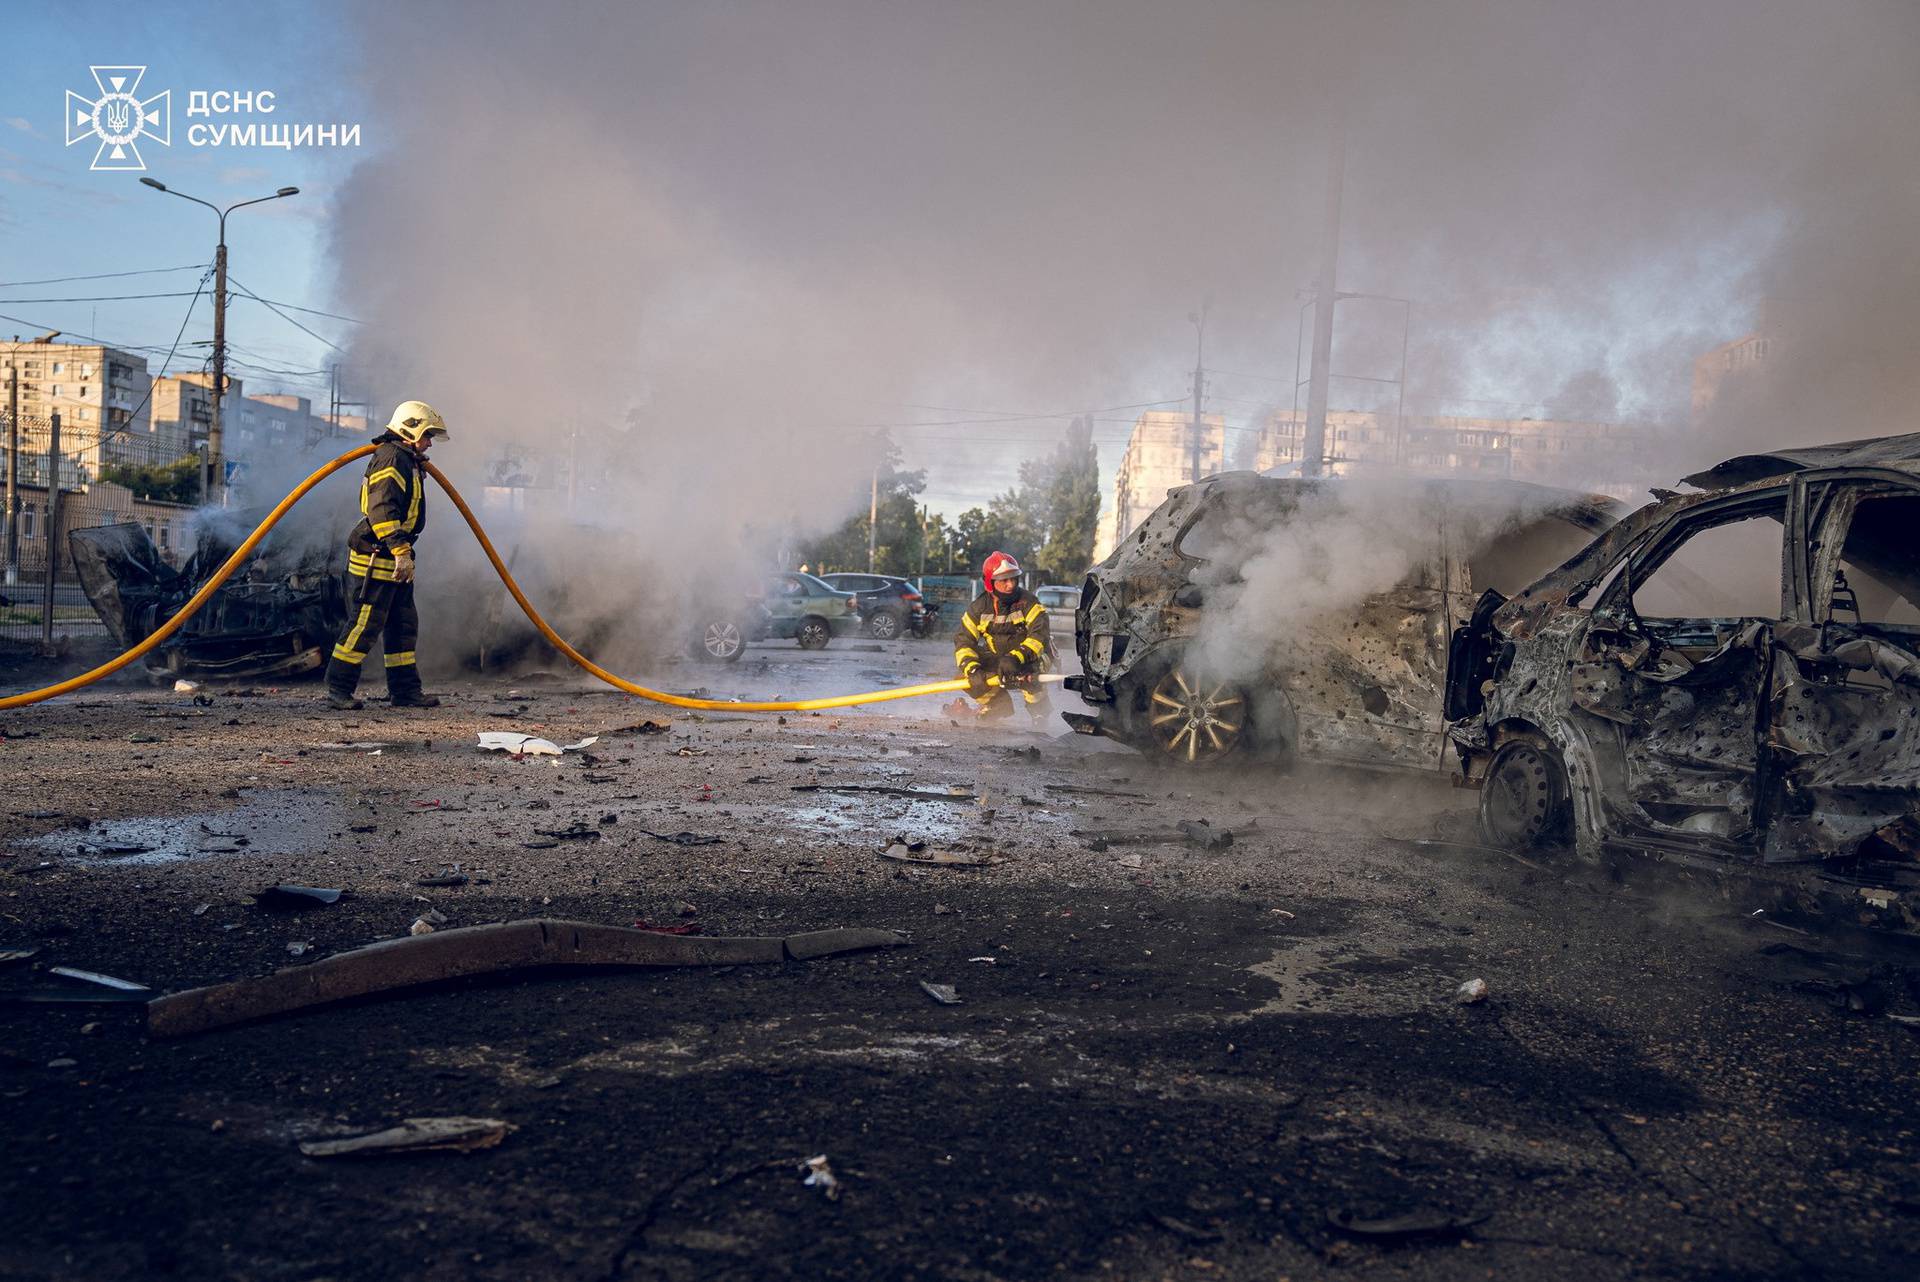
[1349, 671]
[278, 614]
[1729, 677]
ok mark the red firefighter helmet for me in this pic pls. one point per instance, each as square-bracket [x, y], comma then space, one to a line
[998, 566]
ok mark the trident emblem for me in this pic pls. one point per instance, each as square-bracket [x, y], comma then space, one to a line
[118, 118]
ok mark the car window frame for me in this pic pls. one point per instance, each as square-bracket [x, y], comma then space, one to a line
[1646, 555]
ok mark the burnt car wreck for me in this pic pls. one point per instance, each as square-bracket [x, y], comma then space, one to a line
[1359, 681]
[1729, 678]
[275, 617]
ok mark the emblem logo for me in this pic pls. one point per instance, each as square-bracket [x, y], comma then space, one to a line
[119, 118]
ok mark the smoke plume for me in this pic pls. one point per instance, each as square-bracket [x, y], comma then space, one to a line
[685, 256]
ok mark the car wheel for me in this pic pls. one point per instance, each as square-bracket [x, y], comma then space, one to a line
[884, 624]
[813, 634]
[1192, 720]
[722, 641]
[1524, 800]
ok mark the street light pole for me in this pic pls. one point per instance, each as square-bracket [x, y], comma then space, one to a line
[210, 468]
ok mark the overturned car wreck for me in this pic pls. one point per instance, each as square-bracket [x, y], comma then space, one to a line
[1728, 678]
[276, 616]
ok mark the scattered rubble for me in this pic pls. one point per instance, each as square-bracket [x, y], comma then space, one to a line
[527, 745]
[820, 1176]
[901, 852]
[943, 994]
[294, 899]
[1471, 993]
[416, 1135]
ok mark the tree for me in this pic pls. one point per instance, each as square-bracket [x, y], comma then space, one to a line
[1048, 520]
[897, 533]
[176, 482]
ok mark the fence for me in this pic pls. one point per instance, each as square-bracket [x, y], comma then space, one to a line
[101, 481]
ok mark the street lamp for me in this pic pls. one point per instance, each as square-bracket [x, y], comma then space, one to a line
[210, 469]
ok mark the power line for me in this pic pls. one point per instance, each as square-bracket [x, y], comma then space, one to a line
[61, 280]
[311, 311]
[283, 316]
[95, 298]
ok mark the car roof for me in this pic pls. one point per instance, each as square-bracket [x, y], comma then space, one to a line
[1901, 452]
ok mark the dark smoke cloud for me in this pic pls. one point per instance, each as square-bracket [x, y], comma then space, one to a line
[717, 238]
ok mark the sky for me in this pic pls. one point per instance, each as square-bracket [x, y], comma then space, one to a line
[60, 219]
[734, 235]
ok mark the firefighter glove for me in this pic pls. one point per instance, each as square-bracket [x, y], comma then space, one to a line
[403, 565]
[976, 680]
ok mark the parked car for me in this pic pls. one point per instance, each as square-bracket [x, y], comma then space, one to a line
[1061, 603]
[889, 607]
[790, 604]
[1728, 679]
[1362, 684]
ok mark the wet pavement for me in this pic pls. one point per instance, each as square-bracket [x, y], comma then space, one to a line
[1164, 1062]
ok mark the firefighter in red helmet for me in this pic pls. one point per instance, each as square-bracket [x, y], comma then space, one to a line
[1003, 634]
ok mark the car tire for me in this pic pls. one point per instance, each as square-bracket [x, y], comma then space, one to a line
[1186, 719]
[721, 641]
[884, 624]
[813, 633]
[1525, 803]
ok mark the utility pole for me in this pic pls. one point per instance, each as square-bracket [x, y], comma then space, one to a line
[1314, 449]
[1195, 433]
[873, 518]
[211, 478]
[52, 533]
[13, 470]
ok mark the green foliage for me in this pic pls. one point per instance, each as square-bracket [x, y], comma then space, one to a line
[898, 538]
[176, 482]
[1047, 521]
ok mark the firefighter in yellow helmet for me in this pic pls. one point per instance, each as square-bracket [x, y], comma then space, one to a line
[393, 506]
[1004, 633]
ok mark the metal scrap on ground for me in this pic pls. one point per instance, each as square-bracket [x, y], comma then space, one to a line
[918, 794]
[415, 1135]
[527, 745]
[906, 854]
[481, 950]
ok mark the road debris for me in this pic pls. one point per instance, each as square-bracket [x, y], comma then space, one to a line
[944, 994]
[421, 926]
[416, 1135]
[1471, 993]
[1205, 835]
[298, 948]
[1409, 1226]
[481, 950]
[527, 745]
[901, 852]
[917, 794]
[8, 956]
[820, 1176]
[444, 879]
[95, 977]
[682, 838]
[1180, 1228]
[1079, 790]
[576, 831]
[294, 899]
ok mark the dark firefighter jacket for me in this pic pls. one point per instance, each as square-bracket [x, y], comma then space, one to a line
[393, 500]
[995, 628]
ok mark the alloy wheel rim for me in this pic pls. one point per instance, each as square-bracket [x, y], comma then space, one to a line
[723, 639]
[1194, 720]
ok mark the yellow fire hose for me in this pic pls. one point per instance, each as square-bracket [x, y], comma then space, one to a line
[241, 553]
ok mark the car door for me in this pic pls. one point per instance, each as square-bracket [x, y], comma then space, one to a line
[1672, 678]
[786, 601]
[1846, 724]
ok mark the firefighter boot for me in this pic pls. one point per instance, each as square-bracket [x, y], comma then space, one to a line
[403, 688]
[342, 677]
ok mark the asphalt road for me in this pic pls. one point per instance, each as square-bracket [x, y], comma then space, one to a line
[1165, 1061]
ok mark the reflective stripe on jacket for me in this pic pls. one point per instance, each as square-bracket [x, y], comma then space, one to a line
[992, 628]
[393, 499]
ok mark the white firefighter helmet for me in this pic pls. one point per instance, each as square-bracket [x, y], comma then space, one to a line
[414, 420]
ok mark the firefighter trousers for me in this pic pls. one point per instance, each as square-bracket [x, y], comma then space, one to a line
[380, 608]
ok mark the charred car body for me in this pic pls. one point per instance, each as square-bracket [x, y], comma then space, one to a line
[1361, 683]
[276, 616]
[1727, 678]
